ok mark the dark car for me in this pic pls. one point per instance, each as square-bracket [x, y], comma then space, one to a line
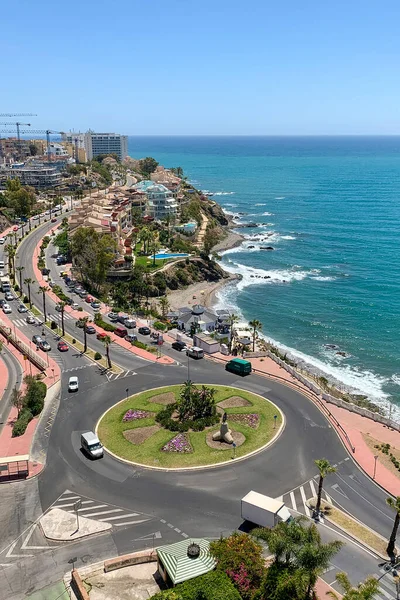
[90, 329]
[144, 330]
[80, 324]
[179, 346]
[2, 302]
[62, 346]
[45, 271]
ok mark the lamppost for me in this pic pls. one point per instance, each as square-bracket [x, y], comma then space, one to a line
[127, 393]
[53, 373]
[376, 458]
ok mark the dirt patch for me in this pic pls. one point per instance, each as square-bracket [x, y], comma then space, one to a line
[234, 402]
[383, 459]
[238, 438]
[140, 434]
[167, 398]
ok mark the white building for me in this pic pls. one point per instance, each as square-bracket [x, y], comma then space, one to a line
[76, 138]
[161, 202]
[106, 143]
[57, 150]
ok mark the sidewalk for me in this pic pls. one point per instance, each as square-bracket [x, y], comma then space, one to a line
[354, 425]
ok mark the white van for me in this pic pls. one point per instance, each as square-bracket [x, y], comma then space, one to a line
[130, 323]
[91, 444]
[1, 264]
[73, 384]
[195, 352]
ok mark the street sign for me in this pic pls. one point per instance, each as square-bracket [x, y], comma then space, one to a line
[233, 445]
[78, 505]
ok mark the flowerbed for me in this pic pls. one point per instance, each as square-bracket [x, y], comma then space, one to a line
[133, 414]
[180, 443]
[250, 419]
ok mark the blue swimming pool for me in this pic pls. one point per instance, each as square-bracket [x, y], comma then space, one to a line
[169, 255]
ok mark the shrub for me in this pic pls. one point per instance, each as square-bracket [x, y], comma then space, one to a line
[26, 299]
[53, 325]
[97, 356]
[140, 345]
[212, 586]
[159, 326]
[16, 287]
[73, 340]
[21, 423]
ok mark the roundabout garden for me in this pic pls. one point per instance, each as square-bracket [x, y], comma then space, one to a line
[188, 425]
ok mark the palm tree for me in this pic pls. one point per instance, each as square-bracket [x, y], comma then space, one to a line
[364, 591]
[44, 289]
[395, 504]
[28, 281]
[232, 320]
[11, 259]
[62, 305]
[314, 557]
[20, 269]
[283, 539]
[107, 341]
[165, 305]
[84, 320]
[324, 468]
[257, 326]
[145, 237]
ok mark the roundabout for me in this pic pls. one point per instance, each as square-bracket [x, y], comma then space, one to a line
[179, 427]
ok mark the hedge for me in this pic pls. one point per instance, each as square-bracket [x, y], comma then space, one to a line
[21, 423]
[212, 586]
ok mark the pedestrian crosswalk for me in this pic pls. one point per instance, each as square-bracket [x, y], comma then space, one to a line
[299, 498]
[21, 321]
[100, 511]
[113, 376]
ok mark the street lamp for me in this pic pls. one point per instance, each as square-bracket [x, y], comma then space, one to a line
[376, 458]
[53, 373]
[127, 393]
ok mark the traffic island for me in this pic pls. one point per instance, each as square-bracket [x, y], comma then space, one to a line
[64, 526]
[170, 428]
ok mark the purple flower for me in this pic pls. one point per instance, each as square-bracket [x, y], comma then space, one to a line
[180, 443]
[133, 414]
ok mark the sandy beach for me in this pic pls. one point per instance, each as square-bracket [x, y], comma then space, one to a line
[203, 293]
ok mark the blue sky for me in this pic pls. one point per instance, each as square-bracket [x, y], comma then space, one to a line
[203, 67]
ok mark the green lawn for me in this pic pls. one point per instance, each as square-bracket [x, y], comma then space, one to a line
[111, 426]
[145, 261]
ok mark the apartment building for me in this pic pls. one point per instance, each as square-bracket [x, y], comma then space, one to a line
[160, 199]
[38, 176]
[106, 143]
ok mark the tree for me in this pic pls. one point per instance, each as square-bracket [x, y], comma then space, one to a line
[324, 468]
[365, 590]
[107, 342]
[62, 305]
[93, 254]
[33, 150]
[28, 281]
[256, 326]
[232, 320]
[20, 269]
[165, 306]
[147, 166]
[10, 250]
[395, 505]
[145, 237]
[84, 321]
[43, 289]
[18, 400]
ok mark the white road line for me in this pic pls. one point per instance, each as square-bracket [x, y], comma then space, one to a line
[130, 523]
[294, 505]
[72, 503]
[303, 497]
[330, 568]
[312, 486]
[106, 512]
[62, 498]
[386, 594]
[387, 585]
[328, 498]
[119, 517]
[93, 507]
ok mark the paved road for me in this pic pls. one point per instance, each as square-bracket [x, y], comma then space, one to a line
[175, 505]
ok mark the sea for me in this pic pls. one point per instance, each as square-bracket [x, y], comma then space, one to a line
[329, 291]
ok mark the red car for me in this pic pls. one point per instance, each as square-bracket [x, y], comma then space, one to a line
[15, 228]
[62, 346]
[89, 299]
[54, 220]
[101, 336]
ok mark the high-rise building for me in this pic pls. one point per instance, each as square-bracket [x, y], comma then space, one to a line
[106, 143]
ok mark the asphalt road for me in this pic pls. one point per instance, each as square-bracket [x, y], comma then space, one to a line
[176, 504]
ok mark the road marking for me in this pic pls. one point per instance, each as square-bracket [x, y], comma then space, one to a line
[120, 517]
[177, 530]
[312, 486]
[130, 523]
[386, 594]
[11, 555]
[162, 521]
[93, 507]
[387, 584]
[185, 536]
[328, 498]
[363, 497]
[339, 490]
[303, 497]
[169, 525]
[330, 568]
[156, 535]
[106, 512]
[72, 503]
[294, 505]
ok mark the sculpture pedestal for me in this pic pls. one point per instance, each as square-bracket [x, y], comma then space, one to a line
[223, 435]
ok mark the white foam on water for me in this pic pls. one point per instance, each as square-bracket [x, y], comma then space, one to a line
[395, 379]
[261, 204]
[322, 278]
[224, 193]
[232, 205]
[287, 237]
[267, 214]
[280, 197]
[253, 276]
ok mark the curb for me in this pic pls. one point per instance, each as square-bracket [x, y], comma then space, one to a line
[202, 467]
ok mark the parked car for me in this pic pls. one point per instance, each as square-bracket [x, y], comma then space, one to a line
[131, 337]
[30, 320]
[2, 302]
[7, 309]
[80, 324]
[101, 335]
[62, 346]
[45, 271]
[113, 316]
[73, 384]
[178, 346]
[45, 346]
[2, 240]
[95, 305]
[82, 293]
[90, 329]
[63, 274]
[8, 296]
[75, 305]
[144, 330]
[36, 339]
[54, 220]
[121, 332]
[122, 319]
[89, 299]
[130, 323]
[22, 308]
[195, 352]
[1, 264]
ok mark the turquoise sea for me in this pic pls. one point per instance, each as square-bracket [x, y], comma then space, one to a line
[330, 208]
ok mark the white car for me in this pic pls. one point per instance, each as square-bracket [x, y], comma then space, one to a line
[1, 264]
[1, 273]
[75, 305]
[73, 384]
[2, 240]
[7, 309]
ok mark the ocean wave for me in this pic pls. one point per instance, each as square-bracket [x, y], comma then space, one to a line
[231, 205]
[267, 214]
[287, 237]
[261, 204]
[224, 193]
[324, 278]
[253, 276]
[280, 197]
[395, 379]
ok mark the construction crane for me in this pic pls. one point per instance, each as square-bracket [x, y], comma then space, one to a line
[48, 132]
[17, 125]
[17, 115]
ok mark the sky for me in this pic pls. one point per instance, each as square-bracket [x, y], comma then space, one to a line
[208, 67]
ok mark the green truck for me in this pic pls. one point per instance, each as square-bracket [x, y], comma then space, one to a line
[239, 366]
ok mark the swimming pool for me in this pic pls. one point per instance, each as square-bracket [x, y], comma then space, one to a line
[169, 255]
